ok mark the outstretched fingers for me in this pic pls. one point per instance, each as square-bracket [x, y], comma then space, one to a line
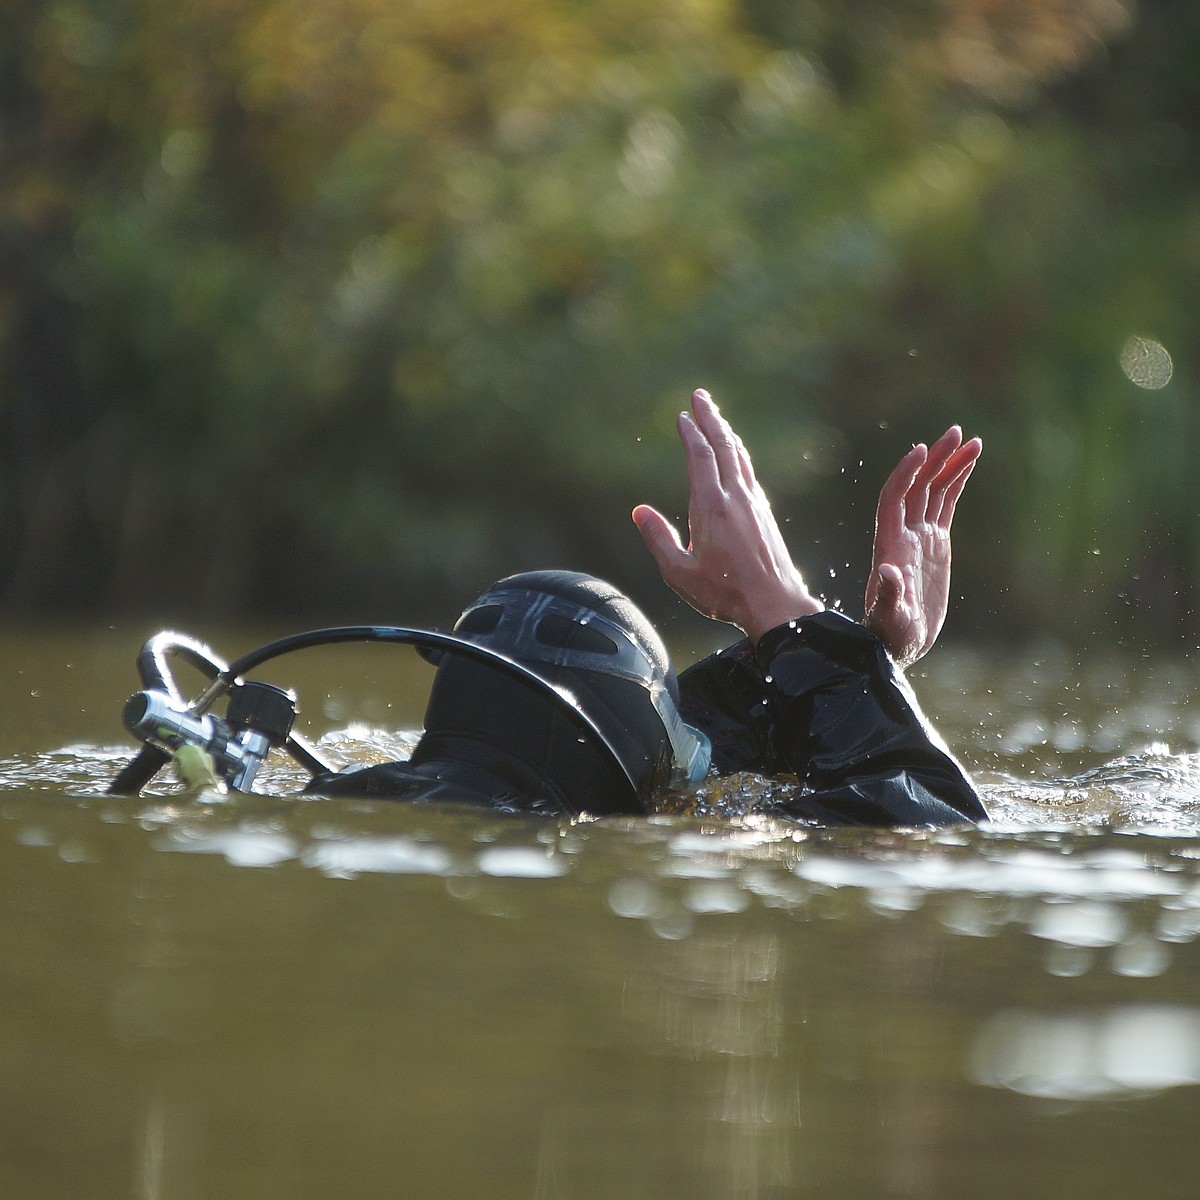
[703, 471]
[924, 498]
[746, 468]
[728, 452]
[892, 507]
[951, 480]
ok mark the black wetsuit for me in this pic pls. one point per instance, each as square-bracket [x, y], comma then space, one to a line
[818, 699]
[821, 700]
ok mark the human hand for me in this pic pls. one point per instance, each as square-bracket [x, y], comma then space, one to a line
[908, 590]
[736, 567]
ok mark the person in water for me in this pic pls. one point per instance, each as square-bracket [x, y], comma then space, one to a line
[807, 694]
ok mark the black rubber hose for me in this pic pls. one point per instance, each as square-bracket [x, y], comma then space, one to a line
[155, 670]
[138, 772]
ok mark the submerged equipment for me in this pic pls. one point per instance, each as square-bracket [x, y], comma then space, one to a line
[537, 653]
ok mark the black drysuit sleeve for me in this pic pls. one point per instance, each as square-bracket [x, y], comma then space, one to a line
[821, 699]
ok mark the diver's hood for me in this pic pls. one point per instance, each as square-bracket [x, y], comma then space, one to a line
[598, 656]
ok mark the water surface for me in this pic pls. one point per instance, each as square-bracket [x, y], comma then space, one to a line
[264, 996]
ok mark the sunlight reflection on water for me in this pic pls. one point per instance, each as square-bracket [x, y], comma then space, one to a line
[1109, 1054]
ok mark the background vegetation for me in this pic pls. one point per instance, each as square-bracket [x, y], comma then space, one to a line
[349, 306]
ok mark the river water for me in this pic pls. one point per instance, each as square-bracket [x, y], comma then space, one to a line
[263, 996]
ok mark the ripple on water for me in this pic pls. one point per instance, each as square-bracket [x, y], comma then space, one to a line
[1155, 789]
[1074, 887]
[1111, 1053]
[240, 847]
[346, 857]
[521, 862]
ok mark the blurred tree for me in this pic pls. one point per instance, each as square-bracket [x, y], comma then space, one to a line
[305, 300]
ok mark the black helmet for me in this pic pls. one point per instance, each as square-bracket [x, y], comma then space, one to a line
[589, 639]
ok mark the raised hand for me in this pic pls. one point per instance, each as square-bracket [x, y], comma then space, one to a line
[908, 590]
[736, 567]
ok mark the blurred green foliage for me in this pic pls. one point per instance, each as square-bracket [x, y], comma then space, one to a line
[352, 306]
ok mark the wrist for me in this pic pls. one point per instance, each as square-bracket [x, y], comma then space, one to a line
[794, 607]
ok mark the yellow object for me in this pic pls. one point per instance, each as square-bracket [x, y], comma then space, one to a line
[195, 768]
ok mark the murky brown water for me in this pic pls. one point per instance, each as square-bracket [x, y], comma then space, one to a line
[264, 996]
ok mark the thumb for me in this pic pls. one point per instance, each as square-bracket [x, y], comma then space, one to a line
[889, 588]
[661, 538]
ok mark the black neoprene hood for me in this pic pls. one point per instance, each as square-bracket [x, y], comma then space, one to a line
[586, 635]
